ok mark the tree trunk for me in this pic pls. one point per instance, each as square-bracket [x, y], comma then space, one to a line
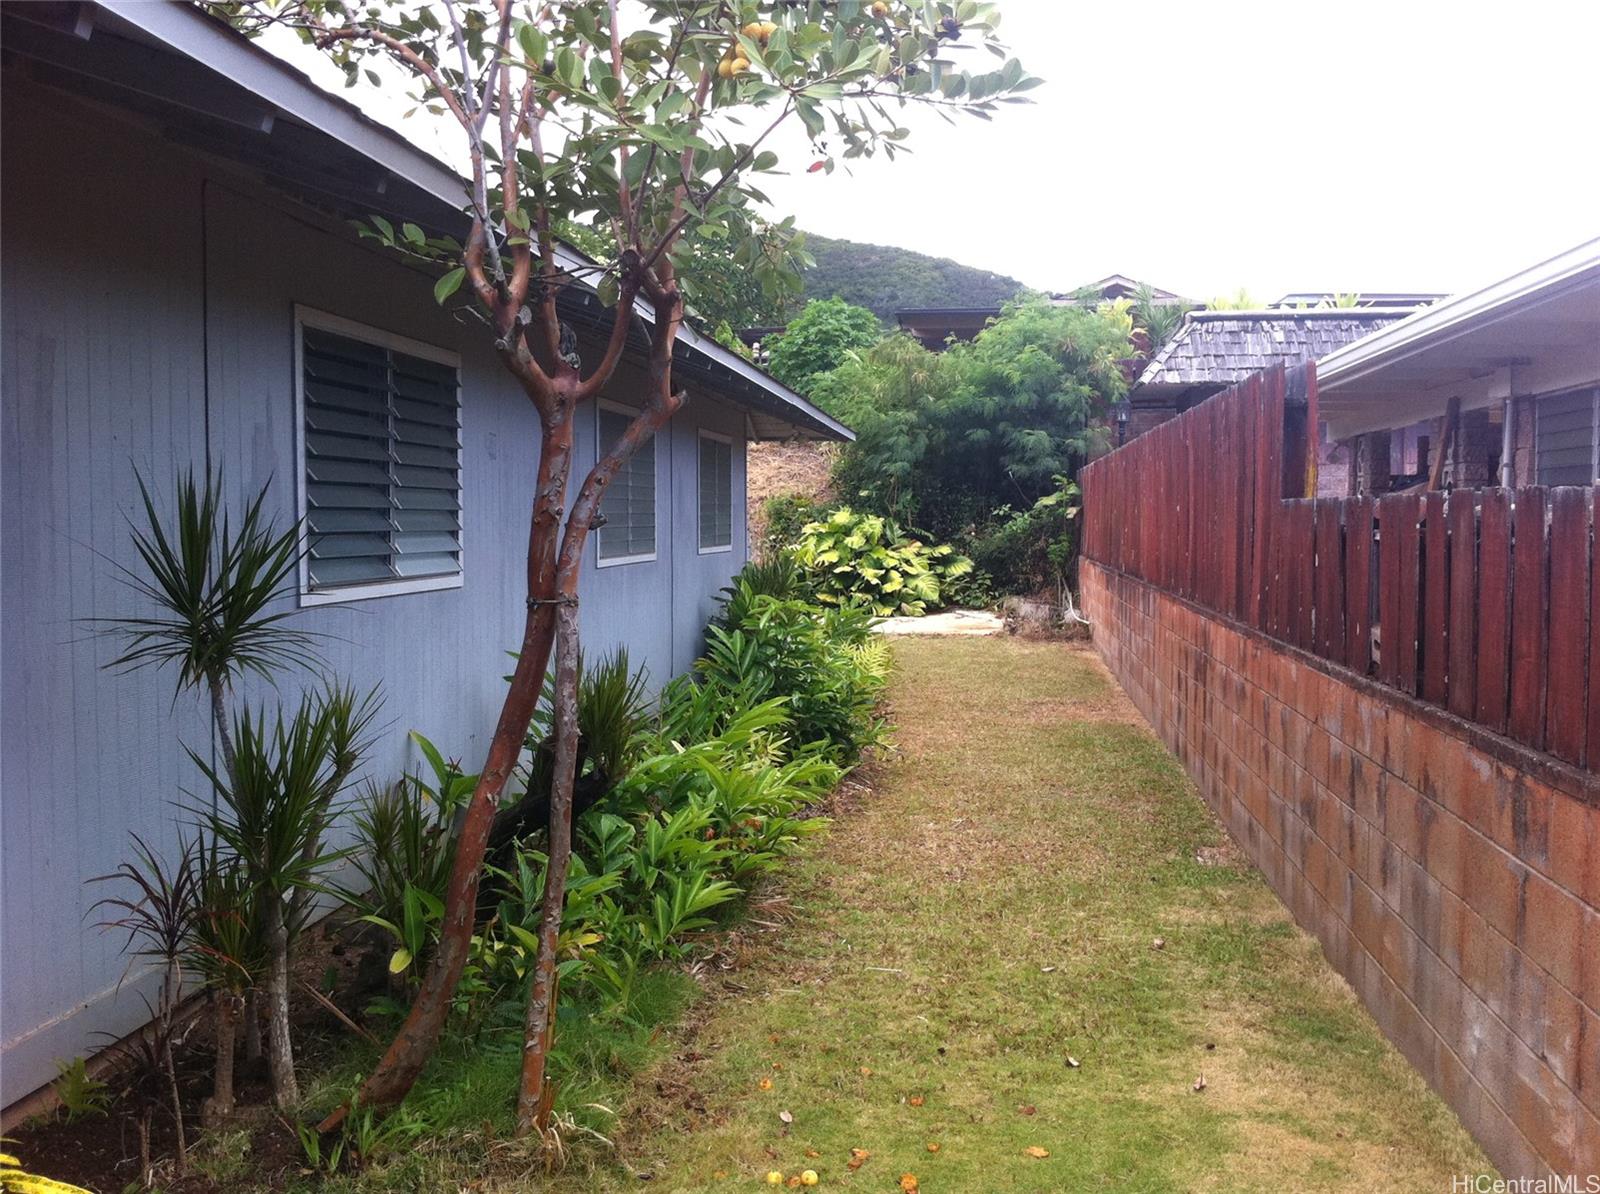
[280, 1049]
[252, 1025]
[534, 1098]
[219, 716]
[397, 1070]
[220, 1107]
[535, 1095]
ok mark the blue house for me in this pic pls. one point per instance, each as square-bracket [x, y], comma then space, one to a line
[182, 288]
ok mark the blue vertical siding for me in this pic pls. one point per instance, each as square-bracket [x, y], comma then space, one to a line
[111, 346]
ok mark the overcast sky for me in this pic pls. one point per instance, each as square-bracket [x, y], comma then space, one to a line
[1278, 146]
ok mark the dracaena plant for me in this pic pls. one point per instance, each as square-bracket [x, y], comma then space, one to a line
[650, 123]
[270, 811]
[216, 585]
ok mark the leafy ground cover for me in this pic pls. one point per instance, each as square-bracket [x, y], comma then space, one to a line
[1032, 937]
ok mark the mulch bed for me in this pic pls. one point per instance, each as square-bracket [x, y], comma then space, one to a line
[101, 1152]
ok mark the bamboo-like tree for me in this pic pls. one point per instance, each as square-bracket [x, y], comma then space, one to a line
[649, 123]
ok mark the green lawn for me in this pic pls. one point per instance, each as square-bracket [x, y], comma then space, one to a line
[970, 962]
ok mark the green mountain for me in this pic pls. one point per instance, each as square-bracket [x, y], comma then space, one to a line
[885, 279]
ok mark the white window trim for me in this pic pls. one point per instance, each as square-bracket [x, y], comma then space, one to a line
[310, 317]
[718, 437]
[619, 408]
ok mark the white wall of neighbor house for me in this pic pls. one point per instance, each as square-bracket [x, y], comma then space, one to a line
[148, 323]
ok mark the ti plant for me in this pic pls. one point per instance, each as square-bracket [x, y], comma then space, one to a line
[651, 124]
[158, 916]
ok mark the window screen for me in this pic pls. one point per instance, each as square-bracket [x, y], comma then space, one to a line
[629, 505]
[1566, 438]
[716, 494]
[383, 480]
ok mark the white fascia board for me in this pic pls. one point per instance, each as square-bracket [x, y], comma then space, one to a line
[1457, 316]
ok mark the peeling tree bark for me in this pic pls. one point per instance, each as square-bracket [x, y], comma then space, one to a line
[535, 1095]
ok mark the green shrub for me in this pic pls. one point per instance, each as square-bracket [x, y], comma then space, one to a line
[1032, 550]
[787, 514]
[866, 560]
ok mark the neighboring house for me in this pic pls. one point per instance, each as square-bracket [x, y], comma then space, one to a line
[1214, 350]
[1520, 362]
[182, 288]
[936, 326]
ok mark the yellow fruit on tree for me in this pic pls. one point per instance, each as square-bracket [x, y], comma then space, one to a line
[880, 9]
[740, 65]
[725, 69]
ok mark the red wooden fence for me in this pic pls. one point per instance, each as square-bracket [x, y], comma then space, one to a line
[1478, 601]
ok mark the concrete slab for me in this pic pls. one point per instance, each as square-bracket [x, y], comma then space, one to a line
[950, 623]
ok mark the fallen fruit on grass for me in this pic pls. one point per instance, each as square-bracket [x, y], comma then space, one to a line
[794, 1181]
[858, 1158]
[765, 1084]
[811, 1152]
[933, 1146]
[774, 1178]
[809, 1178]
[916, 1100]
[1037, 1153]
[908, 1183]
[865, 1072]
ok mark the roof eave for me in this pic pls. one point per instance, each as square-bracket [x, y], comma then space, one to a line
[192, 34]
[1457, 316]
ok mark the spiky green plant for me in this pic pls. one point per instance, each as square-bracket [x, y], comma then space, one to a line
[270, 812]
[226, 951]
[214, 582]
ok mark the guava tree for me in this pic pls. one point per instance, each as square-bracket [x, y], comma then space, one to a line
[650, 122]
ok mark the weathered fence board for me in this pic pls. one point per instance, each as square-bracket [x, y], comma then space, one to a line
[1358, 585]
[1486, 603]
[1494, 608]
[1530, 597]
[1463, 667]
[1565, 715]
[1434, 640]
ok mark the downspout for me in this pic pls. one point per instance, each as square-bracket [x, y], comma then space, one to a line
[1508, 437]
[1508, 472]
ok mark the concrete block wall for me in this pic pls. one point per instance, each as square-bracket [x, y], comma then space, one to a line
[1453, 880]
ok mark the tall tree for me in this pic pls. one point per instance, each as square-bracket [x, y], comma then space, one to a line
[649, 123]
[818, 340]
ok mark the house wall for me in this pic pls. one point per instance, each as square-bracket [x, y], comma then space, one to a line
[148, 324]
[1454, 887]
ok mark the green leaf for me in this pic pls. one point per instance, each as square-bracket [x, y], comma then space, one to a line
[449, 284]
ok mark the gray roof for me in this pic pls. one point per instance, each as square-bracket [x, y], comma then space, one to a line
[1224, 347]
